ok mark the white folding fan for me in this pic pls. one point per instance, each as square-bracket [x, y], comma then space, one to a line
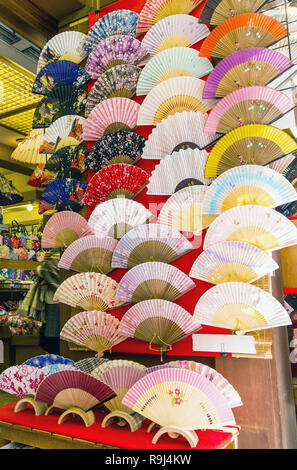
[64, 228]
[240, 307]
[178, 132]
[150, 242]
[153, 280]
[65, 131]
[258, 225]
[173, 96]
[174, 31]
[230, 261]
[115, 217]
[27, 151]
[177, 171]
[174, 62]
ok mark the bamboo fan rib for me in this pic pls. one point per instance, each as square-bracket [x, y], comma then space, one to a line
[216, 12]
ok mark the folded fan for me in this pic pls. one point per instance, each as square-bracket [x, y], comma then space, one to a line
[65, 131]
[260, 226]
[153, 280]
[63, 194]
[61, 72]
[8, 193]
[41, 177]
[216, 12]
[21, 380]
[175, 95]
[230, 261]
[240, 307]
[150, 242]
[89, 254]
[173, 62]
[28, 150]
[256, 144]
[64, 228]
[116, 147]
[174, 31]
[68, 162]
[48, 360]
[116, 217]
[113, 181]
[243, 31]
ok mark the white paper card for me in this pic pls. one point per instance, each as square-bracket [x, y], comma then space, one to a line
[224, 343]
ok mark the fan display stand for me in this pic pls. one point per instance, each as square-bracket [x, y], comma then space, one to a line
[38, 407]
[174, 432]
[121, 419]
[88, 417]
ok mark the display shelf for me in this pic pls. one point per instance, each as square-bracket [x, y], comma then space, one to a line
[19, 264]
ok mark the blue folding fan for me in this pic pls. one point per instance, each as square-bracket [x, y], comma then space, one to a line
[60, 72]
[62, 195]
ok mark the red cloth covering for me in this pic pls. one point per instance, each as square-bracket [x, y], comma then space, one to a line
[112, 435]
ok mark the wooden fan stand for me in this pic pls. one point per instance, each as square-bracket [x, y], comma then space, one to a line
[121, 418]
[174, 432]
[88, 417]
[38, 406]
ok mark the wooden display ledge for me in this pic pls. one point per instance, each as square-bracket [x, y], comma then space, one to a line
[19, 264]
[43, 432]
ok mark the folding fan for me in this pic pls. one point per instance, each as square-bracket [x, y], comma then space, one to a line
[174, 31]
[56, 73]
[68, 162]
[8, 193]
[260, 226]
[21, 380]
[285, 14]
[62, 100]
[114, 114]
[156, 10]
[64, 228]
[216, 12]
[240, 307]
[116, 147]
[281, 164]
[115, 50]
[116, 217]
[53, 368]
[89, 364]
[114, 181]
[248, 184]
[150, 242]
[158, 322]
[183, 210]
[242, 32]
[63, 194]
[153, 280]
[175, 95]
[288, 50]
[65, 131]
[251, 144]
[63, 46]
[88, 291]
[27, 151]
[230, 261]
[249, 67]
[173, 62]
[116, 22]
[97, 331]
[120, 375]
[177, 171]
[248, 105]
[48, 360]
[41, 177]
[89, 254]
[73, 388]
[120, 80]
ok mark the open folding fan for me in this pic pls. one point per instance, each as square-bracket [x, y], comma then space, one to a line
[8, 193]
[116, 147]
[248, 105]
[68, 162]
[89, 364]
[48, 360]
[248, 184]
[27, 151]
[117, 216]
[95, 330]
[64, 228]
[115, 50]
[158, 322]
[120, 80]
[63, 194]
[63, 46]
[113, 181]
[230, 261]
[260, 226]
[62, 100]
[216, 12]
[21, 380]
[41, 177]
[175, 95]
[177, 171]
[174, 31]
[289, 50]
[155, 10]
[89, 253]
[89, 291]
[173, 62]
[281, 164]
[250, 67]
[150, 242]
[153, 280]
[61, 72]
[240, 307]
[65, 131]
[178, 132]
[256, 144]
[242, 32]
